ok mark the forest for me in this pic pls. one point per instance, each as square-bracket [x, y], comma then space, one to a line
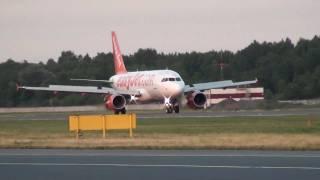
[286, 70]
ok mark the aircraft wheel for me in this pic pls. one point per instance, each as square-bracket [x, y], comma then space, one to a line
[176, 109]
[169, 110]
[123, 111]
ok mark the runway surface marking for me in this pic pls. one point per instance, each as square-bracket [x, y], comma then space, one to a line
[160, 165]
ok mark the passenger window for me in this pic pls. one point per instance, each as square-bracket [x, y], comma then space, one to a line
[178, 79]
[171, 79]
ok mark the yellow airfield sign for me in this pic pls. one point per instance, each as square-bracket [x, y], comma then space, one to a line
[79, 123]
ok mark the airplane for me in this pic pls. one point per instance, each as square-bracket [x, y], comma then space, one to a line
[143, 86]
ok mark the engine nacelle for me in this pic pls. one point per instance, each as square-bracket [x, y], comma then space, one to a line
[196, 100]
[114, 102]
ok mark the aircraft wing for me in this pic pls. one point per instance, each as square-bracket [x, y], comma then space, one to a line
[216, 84]
[80, 89]
[91, 80]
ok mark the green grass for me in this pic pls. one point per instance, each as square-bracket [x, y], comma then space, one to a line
[190, 126]
[289, 133]
[34, 129]
[288, 124]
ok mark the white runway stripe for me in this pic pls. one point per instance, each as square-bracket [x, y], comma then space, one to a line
[159, 165]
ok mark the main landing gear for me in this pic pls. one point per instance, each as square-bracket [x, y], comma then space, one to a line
[120, 111]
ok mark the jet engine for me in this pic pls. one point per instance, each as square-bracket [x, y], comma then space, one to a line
[115, 102]
[196, 100]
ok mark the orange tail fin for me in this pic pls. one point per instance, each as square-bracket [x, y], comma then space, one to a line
[119, 66]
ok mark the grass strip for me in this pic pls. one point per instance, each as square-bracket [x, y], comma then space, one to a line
[287, 133]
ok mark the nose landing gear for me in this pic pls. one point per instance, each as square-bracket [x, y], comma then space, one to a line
[171, 105]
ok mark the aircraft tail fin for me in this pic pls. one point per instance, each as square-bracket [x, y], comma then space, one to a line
[119, 66]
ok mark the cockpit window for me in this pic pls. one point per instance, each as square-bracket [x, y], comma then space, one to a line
[164, 80]
[171, 79]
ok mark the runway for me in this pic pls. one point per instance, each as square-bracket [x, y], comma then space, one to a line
[162, 114]
[144, 164]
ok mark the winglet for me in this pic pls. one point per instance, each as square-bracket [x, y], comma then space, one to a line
[119, 66]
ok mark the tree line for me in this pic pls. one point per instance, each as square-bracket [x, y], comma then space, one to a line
[285, 70]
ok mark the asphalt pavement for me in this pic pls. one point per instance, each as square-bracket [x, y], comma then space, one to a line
[143, 164]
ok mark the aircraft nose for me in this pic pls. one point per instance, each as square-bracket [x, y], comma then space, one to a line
[177, 89]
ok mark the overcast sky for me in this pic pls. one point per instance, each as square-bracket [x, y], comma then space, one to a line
[37, 30]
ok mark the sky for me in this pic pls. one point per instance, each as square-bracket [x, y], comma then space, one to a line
[36, 30]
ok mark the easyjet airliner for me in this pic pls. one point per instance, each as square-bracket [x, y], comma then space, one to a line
[143, 86]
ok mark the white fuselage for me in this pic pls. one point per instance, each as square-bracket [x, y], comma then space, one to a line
[153, 85]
